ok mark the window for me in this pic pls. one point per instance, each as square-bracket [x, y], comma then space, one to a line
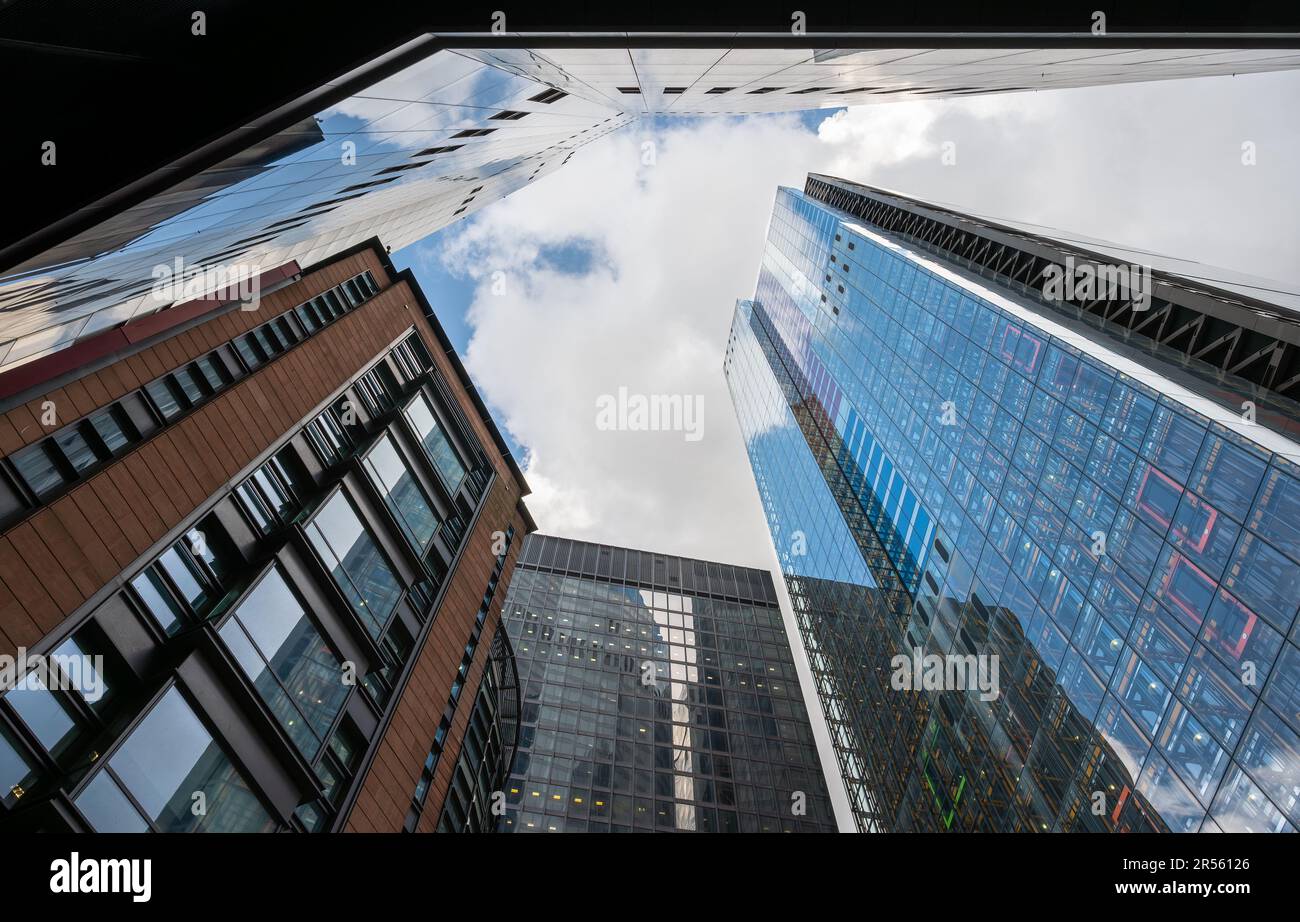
[268, 496]
[508, 115]
[76, 449]
[92, 685]
[328, 438]
[191, 385]
[402, 494]
[283, 655]
[436, 445]
[375, 388]
[152, 591]
[630, 90]
[187, 578]
[355, 562]
[113, 429]
[165, 396]
[43, 713]
[36, 467]
[718, 90]
[155, 774]
[548, 96]
[248, 352]
[17, 776]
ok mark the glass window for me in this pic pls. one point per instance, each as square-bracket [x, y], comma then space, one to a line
[1265, 580]
[1276, 516]
[328, 438]
[168, 759]
[1173, 442]
[308, 316]
[1241, 638]
[1283, 691]
[356, 562]
[1170, 797]
[107, 808]
[79, 665]
[38, 470]
[163, 398]
[43, 713]
[17, 776]
[76, 449]
[293, 669]
[1270, 754]
[248, 352]
[190, 386]
[213, 372]
[1242, 807]
[436, 444]
[110, 431]
[1193, 753]
[1217, 697]
[185, 576]
[402, 493]
[158, 602]
[1204, 534]
[1227, 476]
[1127, 414]
[1141, 690]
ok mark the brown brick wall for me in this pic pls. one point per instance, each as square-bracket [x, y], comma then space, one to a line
[385, 795]
[60, 555]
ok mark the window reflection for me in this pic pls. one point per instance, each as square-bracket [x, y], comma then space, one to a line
[167, 765]
[356, 562]
[436, 444]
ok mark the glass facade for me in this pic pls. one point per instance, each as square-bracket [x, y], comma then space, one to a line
[464, 127]
[945, 469]
[658, 694]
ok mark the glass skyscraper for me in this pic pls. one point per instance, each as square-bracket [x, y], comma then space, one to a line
[1097, 492]
[471, 123]
[658, 694]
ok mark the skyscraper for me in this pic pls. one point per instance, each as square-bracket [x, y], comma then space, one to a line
[251, 567]
[471, 123]
[658, 694]
[1069, 464]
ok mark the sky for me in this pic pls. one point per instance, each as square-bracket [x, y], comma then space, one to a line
[622, 269]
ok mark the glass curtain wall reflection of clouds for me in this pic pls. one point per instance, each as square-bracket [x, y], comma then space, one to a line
[464, 127]
[947, 464]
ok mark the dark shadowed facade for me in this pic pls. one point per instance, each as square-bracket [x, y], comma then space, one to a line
[659, 694]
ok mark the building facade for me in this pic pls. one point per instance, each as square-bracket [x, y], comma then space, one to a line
[1092, 496]
[658, 695]
[251, 568]
[469, 123]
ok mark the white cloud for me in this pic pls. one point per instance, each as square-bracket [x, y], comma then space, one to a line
[675, 244]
